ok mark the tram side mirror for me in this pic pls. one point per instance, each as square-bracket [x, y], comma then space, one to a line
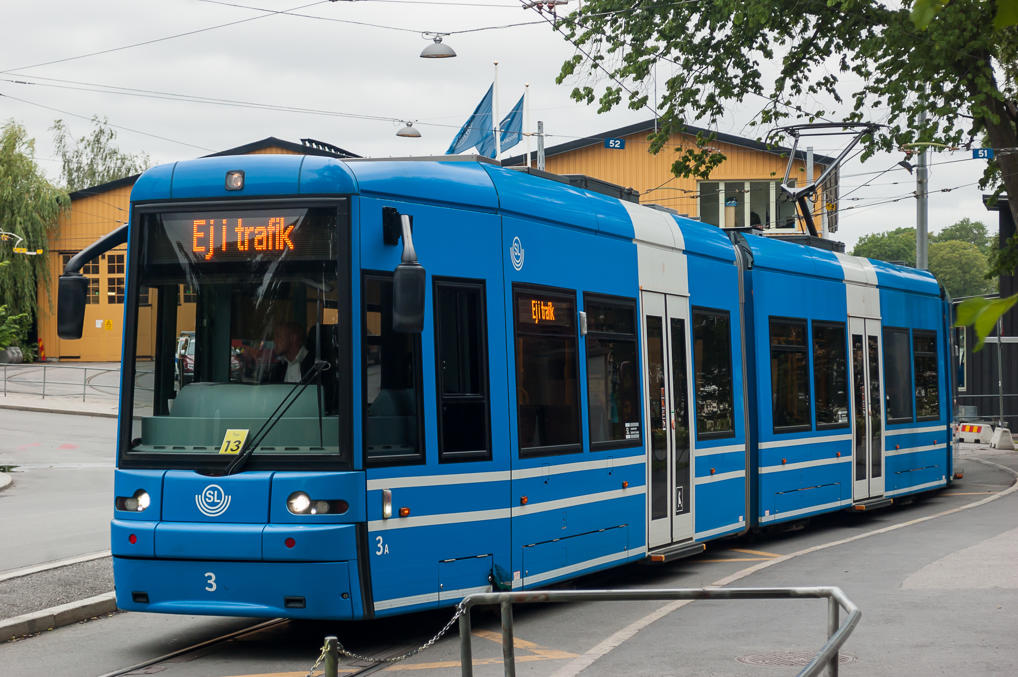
[408, 286]
[71, 293]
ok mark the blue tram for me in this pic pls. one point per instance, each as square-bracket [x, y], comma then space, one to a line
[413, 380]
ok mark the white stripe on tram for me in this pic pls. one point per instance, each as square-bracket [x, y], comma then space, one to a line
[918, 487]
[720, 477]
[579, 566]
[428, 597]
[807, 509]
[914, 450]
[719, 530]
[700, 452]
[804, 464]
[775, 444]
[922, 429]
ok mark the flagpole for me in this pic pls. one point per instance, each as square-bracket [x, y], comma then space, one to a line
[497, 120]
[526, 118]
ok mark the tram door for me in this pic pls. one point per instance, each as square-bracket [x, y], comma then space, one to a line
[667, 403]
[868, 409]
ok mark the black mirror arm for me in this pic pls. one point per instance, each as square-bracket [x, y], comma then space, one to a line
[100, 246]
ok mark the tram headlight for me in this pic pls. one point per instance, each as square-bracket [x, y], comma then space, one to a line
[299, 503]
[136, 503]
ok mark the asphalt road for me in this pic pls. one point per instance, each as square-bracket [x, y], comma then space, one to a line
[60, 503]
[936, 582]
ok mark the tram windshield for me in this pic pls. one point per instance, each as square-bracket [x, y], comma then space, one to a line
[237, 324]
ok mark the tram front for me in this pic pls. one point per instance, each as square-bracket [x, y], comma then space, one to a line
[235, 491]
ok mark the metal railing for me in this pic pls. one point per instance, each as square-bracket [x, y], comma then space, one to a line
[827, 657]
[837, 633]
[48, 380]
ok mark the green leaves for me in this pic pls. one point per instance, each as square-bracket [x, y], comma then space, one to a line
[924, 11]
[982, 315]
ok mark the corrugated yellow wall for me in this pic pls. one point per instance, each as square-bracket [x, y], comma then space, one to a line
[635, 167]
[88, 219]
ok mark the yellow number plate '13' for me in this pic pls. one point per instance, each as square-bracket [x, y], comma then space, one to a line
[233, 441]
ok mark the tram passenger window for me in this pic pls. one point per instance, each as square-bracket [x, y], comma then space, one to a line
[392, 381]
[547, 387]
[830, 374]
[927, 398]
[897, 375]
[461, 352]
[790, 405]
[712, 368]
[612, 389]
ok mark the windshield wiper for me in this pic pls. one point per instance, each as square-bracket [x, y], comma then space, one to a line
[237, 464]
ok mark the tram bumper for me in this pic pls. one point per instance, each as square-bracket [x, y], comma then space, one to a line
[269, 570]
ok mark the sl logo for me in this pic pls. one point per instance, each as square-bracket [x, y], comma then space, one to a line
[212, 501]
[516, 252]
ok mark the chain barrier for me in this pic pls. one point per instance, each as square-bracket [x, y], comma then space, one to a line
[460, 610]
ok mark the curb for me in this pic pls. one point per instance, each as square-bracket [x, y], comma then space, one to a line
[57, 616]
[5, 481]
[49, 410]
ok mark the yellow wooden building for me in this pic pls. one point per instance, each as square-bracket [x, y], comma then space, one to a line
[743, 191]
[94, 212]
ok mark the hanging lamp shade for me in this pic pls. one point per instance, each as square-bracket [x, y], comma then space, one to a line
[409, 132]
[437, 50]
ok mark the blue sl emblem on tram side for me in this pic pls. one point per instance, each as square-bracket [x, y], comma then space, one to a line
[212, 501]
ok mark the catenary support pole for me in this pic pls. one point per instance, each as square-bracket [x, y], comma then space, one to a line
[922, 205]
[540, 145]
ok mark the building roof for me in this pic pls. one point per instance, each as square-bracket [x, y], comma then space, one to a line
[306, 147]
[648, 126]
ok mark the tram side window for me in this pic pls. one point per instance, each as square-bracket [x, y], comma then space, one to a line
[612, 389]
[461, 352]
[830, 374]
[790, 405]
[712, 367]
[392, 381]
[547, 387]
[924, 355]
[897, 375]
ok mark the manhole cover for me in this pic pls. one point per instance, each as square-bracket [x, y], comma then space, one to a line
[789, 659]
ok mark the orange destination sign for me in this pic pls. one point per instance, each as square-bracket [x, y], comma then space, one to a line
[212, 236]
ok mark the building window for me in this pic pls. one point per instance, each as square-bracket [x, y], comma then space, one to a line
[188, 294]
[830, 374]
[712, 368]
[961, 345]
[613, 397]
[461, 371]
[737, 204]
[790, 404]
[924, 355]
[143, 299]
[547, 387]
[897, 375]
[115, 278]
[392, 381]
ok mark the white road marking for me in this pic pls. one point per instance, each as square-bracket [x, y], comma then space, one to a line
[615, 640]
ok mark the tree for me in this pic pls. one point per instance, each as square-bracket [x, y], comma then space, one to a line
[94, 159]
[959, 71]
[29, 208]
[967, 230]
[960, 267]
[954, 259]
[895, 246]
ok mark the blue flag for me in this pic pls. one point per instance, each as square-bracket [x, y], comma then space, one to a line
[512, 126]
[512, 132]
[477, 130]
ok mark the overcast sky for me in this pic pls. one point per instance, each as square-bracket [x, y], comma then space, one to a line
[360, 78]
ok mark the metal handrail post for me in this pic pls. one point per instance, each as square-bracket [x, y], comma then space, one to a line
[5, 380]
[331, 668]
[466, 657]
[508, 655]
[44, 381]
[832, 628]
[84, 386]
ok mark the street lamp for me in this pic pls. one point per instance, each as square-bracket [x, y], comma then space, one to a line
[409, 131]
[437, 49]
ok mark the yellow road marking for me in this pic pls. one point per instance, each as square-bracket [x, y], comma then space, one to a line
[756, 552]
[539, 653]
[737, 559]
